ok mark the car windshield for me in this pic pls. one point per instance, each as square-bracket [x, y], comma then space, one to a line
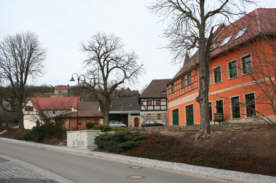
[114, 122]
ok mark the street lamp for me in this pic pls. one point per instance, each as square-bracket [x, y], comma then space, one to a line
[81, 79]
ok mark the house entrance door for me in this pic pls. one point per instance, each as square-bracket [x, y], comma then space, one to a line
[175, 117]
[189, 115]
[136, 122]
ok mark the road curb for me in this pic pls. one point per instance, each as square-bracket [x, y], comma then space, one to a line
[197, 171]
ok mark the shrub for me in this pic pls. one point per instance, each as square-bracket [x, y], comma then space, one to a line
[48, 130]
[119, 141]
[103, 128]
[89, 125]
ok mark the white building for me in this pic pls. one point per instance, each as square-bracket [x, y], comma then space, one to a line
[37, 110]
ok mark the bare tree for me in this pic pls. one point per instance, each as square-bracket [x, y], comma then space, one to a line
[21, 58]
[263, 72]
[109, 66]
[193, 24]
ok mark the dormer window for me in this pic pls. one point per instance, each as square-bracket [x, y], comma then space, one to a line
[226, 40]
[214, 46]
[241, 33]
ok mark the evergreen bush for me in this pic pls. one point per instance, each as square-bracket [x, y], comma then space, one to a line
[103, 128]
[119, 141]
[89, 125]
[47, 130]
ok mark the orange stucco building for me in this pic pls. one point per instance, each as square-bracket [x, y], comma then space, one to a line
[241, 65]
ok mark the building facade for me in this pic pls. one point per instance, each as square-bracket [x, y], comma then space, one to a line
[61, 91]
[153, 102]
[38, 110]
[241, 67]
[88, 112]
[126, 110]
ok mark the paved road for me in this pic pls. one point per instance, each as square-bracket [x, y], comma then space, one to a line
[88, 169]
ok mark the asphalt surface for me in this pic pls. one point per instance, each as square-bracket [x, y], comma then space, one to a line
[89, 169]
[16, 171]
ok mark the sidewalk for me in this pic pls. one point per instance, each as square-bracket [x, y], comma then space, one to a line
[15, 171]
[182, 168]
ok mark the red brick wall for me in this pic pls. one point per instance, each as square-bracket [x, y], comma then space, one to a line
[82, 125]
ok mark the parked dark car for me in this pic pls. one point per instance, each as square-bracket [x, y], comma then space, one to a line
[149, 123]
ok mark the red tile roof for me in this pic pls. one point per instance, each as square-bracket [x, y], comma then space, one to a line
[61, 87]
[258, 22]
[55, 103]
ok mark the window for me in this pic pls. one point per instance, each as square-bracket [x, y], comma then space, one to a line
[172, 88]
[232, 69]
[246, 65]
[241, 33]
[149, 102]
[235, 101]
[183, 84]
[158, 102]
[159, 116]
[226, 40]
[219, 106]
[29, 108]
[217, 75]
[250, 105]
[214, 46]
[189, 79]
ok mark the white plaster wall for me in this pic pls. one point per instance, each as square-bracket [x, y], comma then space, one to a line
[30, 121]
[82, 139]
[153, 116]
[31, 117]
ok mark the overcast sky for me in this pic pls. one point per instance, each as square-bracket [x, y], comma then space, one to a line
[62, 25]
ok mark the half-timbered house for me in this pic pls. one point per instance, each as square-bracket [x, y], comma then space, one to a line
[153, 102]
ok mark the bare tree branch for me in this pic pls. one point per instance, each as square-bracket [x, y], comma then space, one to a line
[193, 23]
[108, 67]
[21, 57]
